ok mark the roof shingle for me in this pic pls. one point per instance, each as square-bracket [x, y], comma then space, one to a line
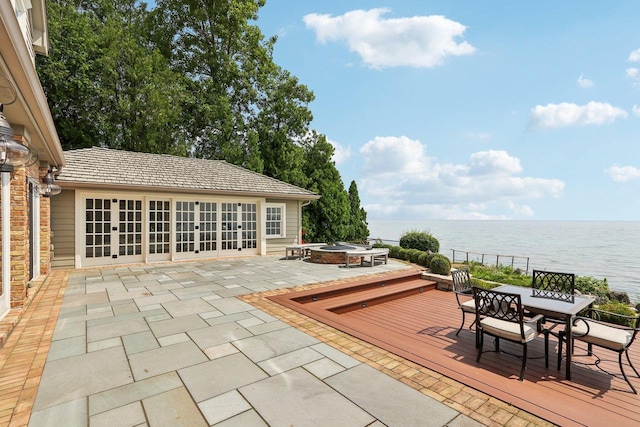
[104, 167]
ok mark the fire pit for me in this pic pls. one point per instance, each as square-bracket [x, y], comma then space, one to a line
[332, 254]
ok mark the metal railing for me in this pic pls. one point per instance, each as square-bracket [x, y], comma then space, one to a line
[515, 261]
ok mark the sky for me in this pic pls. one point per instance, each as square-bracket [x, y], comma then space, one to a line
[473, 109]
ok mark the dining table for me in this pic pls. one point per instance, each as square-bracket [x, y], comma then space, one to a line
[554, 306]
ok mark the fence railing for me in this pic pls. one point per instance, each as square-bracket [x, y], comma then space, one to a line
[515, 261]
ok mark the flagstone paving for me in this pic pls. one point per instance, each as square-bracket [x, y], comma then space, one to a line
[172, 344]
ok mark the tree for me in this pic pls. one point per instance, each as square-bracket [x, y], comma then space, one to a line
[106, 85]
[247, 110]
[326, 219]
[358, 229]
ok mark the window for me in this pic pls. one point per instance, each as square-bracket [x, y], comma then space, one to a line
[275, 220]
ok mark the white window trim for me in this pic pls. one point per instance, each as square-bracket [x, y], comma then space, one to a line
[283, 220]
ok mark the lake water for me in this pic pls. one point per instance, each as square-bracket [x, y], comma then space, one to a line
[599, 249]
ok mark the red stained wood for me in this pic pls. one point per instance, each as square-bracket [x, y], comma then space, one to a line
[421, 327]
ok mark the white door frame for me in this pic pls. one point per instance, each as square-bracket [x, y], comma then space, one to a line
[5, 297]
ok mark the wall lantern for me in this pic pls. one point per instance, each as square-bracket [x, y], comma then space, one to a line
[12, 153]
[49, 187]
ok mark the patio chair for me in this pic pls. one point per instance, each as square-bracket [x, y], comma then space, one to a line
[552, 285]
[592, 330]
[501, 315]
[548, 284]
[462, 287]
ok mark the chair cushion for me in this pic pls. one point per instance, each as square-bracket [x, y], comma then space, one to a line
[469, 306]
[509, 330]
[602, 335]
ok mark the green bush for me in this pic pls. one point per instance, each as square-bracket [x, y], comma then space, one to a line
[394, 251]
[617, 308]
[382, 245]
[440, 264]
[423, 259]
[404, 254]
[503, 274]
[414, 255]
[592, 286]
[420, 240]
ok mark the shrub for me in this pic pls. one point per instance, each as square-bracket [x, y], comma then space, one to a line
[429, 258]
[420, 240]
[440, 264]
[424, 258]
[617, 308]
[382, 245]
[414, 255]
[404, 254]
[592, 286]
[394, 252]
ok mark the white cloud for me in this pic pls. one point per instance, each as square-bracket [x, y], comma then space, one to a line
[633, 72]
[340, 153]
[567, 114]
[384, 155]
[418, 41]
[634, 56]
[623, 173]
[403, 181]
[636, 110]
[493, 163]
[584, 83]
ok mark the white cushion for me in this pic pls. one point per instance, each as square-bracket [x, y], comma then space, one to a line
[602, 335]
[509, 330]
[469, 306]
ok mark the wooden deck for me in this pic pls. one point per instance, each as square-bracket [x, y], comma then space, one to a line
[419, 323]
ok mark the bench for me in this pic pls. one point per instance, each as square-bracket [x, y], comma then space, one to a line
[301, 250]
[378, 254]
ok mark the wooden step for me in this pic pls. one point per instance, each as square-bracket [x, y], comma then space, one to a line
[378, 295]
[319, 294]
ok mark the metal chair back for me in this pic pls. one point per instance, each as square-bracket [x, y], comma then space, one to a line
[548, 284]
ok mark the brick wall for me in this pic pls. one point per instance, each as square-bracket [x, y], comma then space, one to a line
[20, 232]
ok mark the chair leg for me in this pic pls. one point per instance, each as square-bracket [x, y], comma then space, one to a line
[631, 364]
[524, 361]
[496, 343]
[623, 374]
[479, 343]
[546, 349]
[560, 340]
[462, 325]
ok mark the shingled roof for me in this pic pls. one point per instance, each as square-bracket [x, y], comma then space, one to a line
[106, 168]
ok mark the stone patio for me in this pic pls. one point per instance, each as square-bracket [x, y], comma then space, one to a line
[170, 344]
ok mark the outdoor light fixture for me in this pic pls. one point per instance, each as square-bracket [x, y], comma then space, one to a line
[12, 153]
[50, 188]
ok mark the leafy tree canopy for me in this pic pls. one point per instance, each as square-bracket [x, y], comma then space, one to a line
[191, 77]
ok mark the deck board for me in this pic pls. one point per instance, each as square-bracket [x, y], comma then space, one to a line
[422, 327]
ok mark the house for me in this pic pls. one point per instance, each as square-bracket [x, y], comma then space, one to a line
[26, 126]
[121, 207]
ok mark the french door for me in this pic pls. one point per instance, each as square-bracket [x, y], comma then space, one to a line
[113, 230]
[140, 229]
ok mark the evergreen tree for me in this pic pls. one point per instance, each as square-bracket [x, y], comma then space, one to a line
[358, 229]
[326, 219]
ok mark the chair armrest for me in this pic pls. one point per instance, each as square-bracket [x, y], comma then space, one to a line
[539, 319]
[597, 313]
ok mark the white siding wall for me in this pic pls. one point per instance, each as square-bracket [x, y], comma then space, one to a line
[293, 224]
[63, 228]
